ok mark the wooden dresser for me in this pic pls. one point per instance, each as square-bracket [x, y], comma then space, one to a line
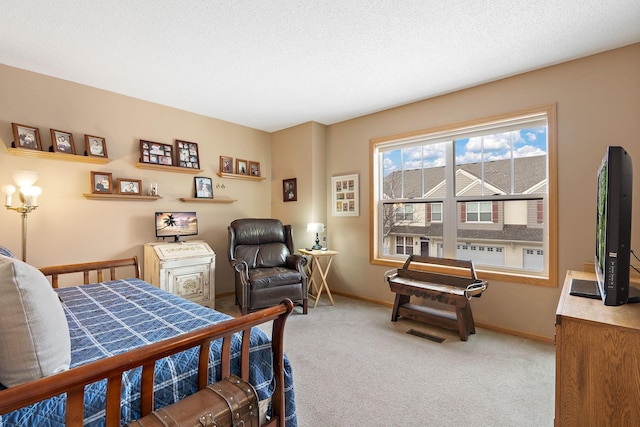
[597, 361]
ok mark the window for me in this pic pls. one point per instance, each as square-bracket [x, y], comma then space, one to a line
[435, 211]
[483, 191]
[404, 245]
[479, 212]
[404, 213]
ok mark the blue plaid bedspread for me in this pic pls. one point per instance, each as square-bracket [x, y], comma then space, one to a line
[113, 317]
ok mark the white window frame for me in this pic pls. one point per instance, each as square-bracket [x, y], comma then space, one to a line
[439, 213]
[479, 212]
[548, 277]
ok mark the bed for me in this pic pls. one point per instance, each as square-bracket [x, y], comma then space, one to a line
[136, 348]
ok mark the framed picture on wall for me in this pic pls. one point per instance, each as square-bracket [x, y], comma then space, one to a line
[242, 167]
[26, 137]
[226, 164]
[289, 190]
[254, 168]
[129, 186]
[95, 146]
[345, 195]
[101, 183]
[187, 154]
[204, 187]
[62, 142]
[156, 153]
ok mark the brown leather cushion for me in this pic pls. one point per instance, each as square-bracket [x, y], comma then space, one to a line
[264, 255]
[261, 278]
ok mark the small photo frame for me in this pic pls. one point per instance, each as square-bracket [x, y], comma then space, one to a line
[254, 168]
[187, 156]
[95, 146]
[242, 167]
[26, 137]
[204, 187]
[226, 164]
[62, 142]
[289, 190]
[156, 153]
[101, 183]
[345, 191]
[128, 186]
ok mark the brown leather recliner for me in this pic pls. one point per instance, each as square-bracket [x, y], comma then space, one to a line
[266, 269]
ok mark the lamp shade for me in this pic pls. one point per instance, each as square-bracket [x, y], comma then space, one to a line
[25, 178]
[315, 227]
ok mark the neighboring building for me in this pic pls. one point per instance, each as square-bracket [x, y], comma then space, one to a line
[498, 233]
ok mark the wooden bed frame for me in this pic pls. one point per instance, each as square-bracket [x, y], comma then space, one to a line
[73, 381]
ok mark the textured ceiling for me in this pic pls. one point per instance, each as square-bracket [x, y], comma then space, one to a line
[274, 64]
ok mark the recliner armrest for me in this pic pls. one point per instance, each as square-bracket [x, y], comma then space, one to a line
[296, 262]
[242, 268]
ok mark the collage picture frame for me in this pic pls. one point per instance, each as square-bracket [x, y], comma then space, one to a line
[187, 154]
[156, 153]
[345, 195]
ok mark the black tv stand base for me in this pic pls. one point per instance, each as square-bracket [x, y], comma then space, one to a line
[589, 289]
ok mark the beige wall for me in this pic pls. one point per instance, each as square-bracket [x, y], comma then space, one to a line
[300, 152]
[598, 105]
[598, 101]
[68, 228]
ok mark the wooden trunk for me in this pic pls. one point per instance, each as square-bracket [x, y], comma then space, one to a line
[227, 403]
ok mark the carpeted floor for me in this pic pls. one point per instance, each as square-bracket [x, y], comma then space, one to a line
[354, 367]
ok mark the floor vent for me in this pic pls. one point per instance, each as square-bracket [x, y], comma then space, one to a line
[425, 336]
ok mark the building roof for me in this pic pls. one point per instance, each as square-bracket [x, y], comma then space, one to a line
[528, 173]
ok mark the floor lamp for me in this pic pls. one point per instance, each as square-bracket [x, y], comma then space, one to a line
[28, 199]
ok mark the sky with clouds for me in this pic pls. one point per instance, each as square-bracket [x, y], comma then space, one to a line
[519, 143]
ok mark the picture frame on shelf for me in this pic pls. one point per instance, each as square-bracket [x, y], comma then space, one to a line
[290, 190]
[62, 142]
[101, 182]
[242, 167]
[187, 156]
[203, 187]
[156, 153]
[26, 137]
[95, 146]
[345, 195]
[226, 164]
[254, 168]
[129, 186]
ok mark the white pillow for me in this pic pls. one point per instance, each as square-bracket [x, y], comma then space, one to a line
[34, 335]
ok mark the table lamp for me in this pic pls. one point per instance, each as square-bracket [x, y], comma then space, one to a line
[316, 227]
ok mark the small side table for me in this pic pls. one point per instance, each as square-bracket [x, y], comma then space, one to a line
[322, 271]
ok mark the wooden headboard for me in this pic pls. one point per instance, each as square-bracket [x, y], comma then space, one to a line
[98, 268]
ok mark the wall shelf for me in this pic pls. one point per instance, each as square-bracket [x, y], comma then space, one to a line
[92, 196]
[57, 156]
[163, 168]
[202, 200]
[237, 176]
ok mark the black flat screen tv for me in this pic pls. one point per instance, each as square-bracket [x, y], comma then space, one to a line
[613, 228]
[176, 224]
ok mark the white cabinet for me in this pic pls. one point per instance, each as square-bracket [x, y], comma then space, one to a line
[185, 268]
